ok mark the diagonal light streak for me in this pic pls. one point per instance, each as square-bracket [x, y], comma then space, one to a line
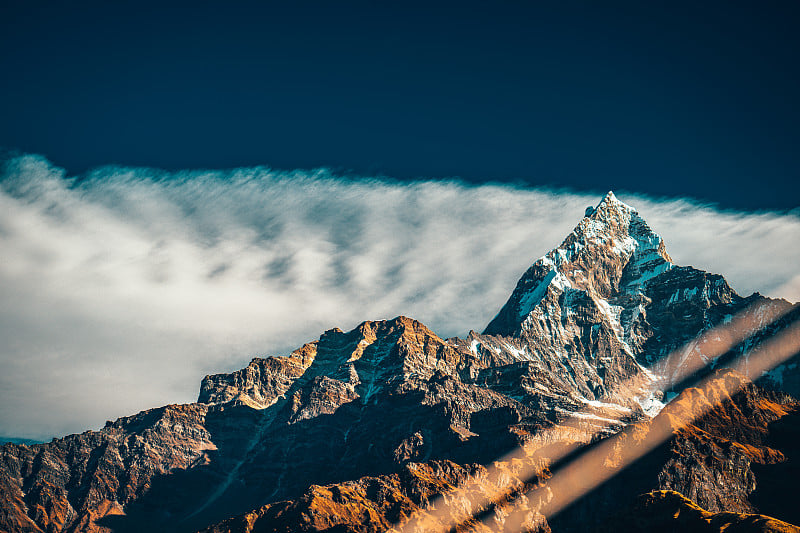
[592, 468]
[474, 495]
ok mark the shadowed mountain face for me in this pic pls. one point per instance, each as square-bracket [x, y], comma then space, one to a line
[359, 430]
[663, 511]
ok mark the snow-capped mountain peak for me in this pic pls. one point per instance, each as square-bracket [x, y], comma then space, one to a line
[611, 253]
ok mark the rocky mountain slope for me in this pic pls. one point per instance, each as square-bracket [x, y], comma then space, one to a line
[666, 510]
[359, 430]
[712, 459]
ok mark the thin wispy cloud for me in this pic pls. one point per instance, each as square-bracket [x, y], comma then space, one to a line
[120, 289]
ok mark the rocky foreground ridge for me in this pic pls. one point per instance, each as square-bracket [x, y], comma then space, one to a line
[361, 430]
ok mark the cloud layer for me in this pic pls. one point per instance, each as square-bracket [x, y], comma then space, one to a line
[120, 289]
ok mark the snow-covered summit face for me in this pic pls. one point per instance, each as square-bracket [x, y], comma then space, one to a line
[610, 296]
[616, 230]
[612, 254]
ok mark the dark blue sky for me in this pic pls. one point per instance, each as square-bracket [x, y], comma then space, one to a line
[692, 99]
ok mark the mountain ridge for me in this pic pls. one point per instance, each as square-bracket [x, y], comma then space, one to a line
[575, 351]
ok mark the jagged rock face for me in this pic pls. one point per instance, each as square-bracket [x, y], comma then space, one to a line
[612, 253]
[261, 382]
[364, 360]
[407, 414]
[73, 482]
[584, 301]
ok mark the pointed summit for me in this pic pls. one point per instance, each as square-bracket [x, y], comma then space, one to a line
[608, 203]
[609, 198]
[615, 220]
[612, 207]
[611, 251]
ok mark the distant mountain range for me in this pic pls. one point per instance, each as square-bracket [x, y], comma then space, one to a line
[603, 340]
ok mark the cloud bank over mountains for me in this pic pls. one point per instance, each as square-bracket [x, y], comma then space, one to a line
[121, 288]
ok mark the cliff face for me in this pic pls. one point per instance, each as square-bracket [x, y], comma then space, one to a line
[72, 483]
[358, 430]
